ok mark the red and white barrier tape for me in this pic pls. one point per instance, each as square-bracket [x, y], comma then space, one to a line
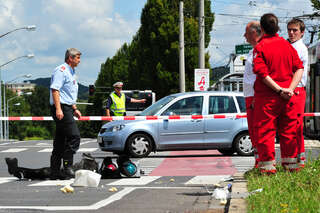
[117, 118]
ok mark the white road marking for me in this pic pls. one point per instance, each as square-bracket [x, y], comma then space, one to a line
[87, 149]
[53, 183]
[91, 141]
[42, 144]
[46, 150]
[144, 180]
[7, 179]
[14, 150]
[206, 180]
[117, 196]
[80, 150]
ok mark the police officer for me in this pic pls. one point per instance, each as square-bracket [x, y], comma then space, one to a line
[116, 102]
[63, 96]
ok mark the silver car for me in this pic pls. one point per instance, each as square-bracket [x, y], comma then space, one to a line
[138, 138]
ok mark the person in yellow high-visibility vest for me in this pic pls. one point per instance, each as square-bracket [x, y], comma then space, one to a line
[116, 102]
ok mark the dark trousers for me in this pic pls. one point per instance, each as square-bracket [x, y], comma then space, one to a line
[67, 138]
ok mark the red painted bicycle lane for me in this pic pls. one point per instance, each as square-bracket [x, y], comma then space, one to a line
[195, 163]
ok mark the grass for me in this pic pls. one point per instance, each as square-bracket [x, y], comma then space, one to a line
[285, 192]
[33, 138]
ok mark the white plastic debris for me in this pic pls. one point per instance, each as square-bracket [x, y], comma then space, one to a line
[221, 193]
[86, 178]
[255, 191]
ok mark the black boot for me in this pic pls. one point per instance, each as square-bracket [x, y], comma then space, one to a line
[12, 164]
[55, 166]
[67, 168]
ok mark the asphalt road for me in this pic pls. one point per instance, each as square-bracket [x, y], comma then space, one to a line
[172, 182]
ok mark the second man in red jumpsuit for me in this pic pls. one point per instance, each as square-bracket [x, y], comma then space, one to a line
[279, 70]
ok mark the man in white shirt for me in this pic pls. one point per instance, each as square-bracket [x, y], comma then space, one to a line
[296, 28]
[252, 35]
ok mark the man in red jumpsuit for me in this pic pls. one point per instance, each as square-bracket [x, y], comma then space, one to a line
[296, 28]
[279, 70]
[252, 35]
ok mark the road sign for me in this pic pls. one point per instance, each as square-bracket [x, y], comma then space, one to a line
[243, 48]
[201, 79]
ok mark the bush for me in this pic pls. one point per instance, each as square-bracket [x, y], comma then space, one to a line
[37, 132]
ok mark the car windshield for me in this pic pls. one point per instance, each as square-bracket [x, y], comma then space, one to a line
[154, 108]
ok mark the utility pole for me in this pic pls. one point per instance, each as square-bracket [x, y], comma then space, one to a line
[181, 52]
[201, 34]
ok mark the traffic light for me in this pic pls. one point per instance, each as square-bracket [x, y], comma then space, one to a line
[91, 90]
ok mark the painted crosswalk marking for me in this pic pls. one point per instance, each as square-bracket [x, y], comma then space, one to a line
[14, 150]
[53, 183]
[80, 150]
[46, 150]
[206, 180]
[87, 149]
[134, 181]
[7, 179]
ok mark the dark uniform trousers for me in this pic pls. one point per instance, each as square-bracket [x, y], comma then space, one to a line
[67, 138]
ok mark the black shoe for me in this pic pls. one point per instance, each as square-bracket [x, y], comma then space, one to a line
[68, 172]
[12, 165]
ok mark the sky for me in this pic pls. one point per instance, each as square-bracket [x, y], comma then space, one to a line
[98, 28]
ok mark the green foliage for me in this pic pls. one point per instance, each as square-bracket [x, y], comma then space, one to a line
[151, 60]
[37, 132]
[36, 104]
[285, 191]
[315, 4]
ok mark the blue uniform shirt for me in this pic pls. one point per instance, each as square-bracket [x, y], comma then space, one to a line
[63, 79]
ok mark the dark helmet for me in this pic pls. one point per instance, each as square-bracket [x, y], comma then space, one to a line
[108, 169]
[126, 166]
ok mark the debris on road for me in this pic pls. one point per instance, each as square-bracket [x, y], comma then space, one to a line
[67, 189]
[113, 189]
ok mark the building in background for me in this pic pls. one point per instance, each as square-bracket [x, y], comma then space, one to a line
[20, 87]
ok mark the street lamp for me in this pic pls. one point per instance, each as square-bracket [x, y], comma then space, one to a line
[10, 99]
[28, 28]
[5, 112]
[24, 56]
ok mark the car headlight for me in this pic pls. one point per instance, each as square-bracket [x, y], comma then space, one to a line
[117, 128]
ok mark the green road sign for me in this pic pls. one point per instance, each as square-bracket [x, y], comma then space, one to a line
[243, 48]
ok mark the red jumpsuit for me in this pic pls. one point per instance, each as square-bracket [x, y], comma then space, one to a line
[275, 57]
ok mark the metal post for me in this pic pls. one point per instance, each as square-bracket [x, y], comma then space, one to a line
[8, 120]
[181, 53]
[4, 112]
[201, 35]
[1, 130]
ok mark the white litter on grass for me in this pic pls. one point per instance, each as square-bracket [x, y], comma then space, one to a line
[255, 191]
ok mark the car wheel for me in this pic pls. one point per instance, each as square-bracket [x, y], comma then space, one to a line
[226, 151]
[243, 145]
[139, 145]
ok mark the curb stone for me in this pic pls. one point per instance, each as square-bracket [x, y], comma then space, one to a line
[238, 204]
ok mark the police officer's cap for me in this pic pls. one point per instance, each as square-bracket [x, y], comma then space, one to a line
[118, 84]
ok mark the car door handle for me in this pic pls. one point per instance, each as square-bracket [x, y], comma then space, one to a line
[196, 120]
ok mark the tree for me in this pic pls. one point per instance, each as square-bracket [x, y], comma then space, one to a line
[151, 60]
[315, 4]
